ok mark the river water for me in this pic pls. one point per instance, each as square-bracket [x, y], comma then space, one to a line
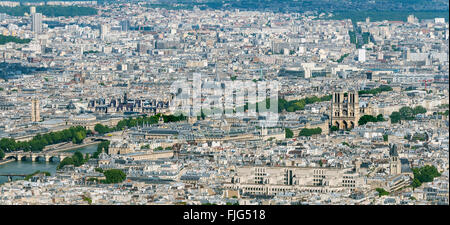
[27, 167]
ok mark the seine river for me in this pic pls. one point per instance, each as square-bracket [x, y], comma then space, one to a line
[27, 167]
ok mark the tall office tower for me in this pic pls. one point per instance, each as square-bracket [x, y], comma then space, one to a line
[361, 55]
[35, 110]
[37, 23]
[345, 110]
[32, 10]
[104, 30]
[125, 25]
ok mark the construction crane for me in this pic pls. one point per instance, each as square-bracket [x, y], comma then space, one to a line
[425, 81]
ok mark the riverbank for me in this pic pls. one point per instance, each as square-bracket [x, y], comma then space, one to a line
[6, 161]
[28, 167]
[72, 146]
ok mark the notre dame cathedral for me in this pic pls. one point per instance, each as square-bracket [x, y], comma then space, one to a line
[345, 111]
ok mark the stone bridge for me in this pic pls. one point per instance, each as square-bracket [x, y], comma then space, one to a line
[37, 156]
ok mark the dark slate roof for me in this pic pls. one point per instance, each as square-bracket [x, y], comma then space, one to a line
[405, 166]
[162, 131]
[393, 150]
[189, 177]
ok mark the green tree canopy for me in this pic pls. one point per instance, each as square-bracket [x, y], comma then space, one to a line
[65, 161]
[6, 39]
[424, 174]
[381, 192]
[334, 128]
[114, 176]
[406, 113]
[395, 117]
[288, 133]
[8, 144]
[77, 158]
[419, 110]
[104, 145]
[296, 105]
[101, 129]
[380, 118]
[50, 11]
[310, 131]
[416, 183]
[365, 119]
[369, 118]
[375, 91]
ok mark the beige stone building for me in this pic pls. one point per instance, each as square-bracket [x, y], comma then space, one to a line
[272, 180]
[345, 110]
[149, 155]
[35, 110]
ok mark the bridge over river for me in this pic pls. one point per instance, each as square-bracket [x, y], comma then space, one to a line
[37, 156]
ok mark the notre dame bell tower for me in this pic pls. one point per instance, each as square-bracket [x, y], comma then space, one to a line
[345, 109]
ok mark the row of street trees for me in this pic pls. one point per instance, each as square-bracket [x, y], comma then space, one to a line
[310, 131]
[375, 91]
[74, 134]
[304, 132]
[133, 122]
[296, 105]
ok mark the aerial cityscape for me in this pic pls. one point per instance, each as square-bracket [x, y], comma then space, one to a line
[207, 102]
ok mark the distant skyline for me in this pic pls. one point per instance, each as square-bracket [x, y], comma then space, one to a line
[346, 9]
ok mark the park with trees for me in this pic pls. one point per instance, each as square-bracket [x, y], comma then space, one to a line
[423, 175]
[133, 122]
[75, 135]
[381, 192]
[296, 105]
[112, 176]
[6, 39]
[76, 160]
[306, 132]
[369, 118]
[375, 91]
[406, 113]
